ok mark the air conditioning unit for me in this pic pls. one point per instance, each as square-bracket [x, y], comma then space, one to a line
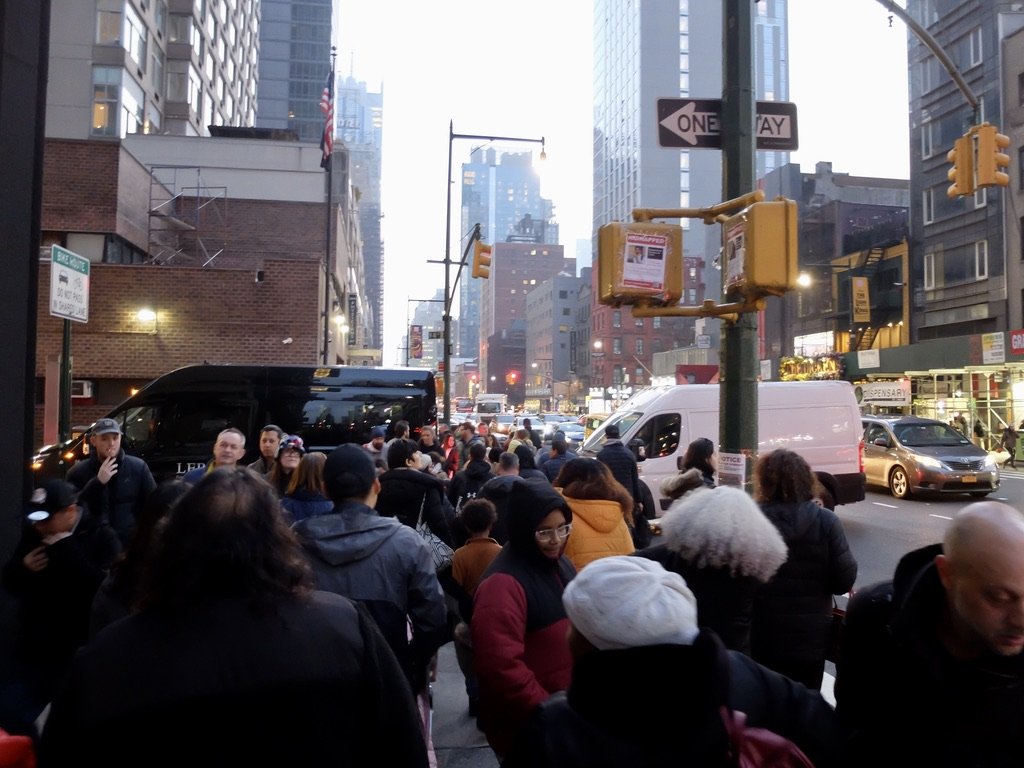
[81, 389]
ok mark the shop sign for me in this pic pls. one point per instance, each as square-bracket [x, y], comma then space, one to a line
[1017, 342]
[883, 393]
[992, 349]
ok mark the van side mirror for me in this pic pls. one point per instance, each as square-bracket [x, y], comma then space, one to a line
[636, 445]
[881, 442]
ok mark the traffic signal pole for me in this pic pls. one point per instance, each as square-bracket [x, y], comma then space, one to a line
[737, 416]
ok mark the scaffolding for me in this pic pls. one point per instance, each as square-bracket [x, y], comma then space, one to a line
[187, 218]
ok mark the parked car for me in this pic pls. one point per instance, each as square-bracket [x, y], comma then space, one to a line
[911, 455]
[573, 432]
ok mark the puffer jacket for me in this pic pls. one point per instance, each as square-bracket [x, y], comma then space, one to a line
[793, 612]
[598, 530]
[404, 491]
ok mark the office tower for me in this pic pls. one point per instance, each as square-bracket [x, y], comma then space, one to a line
[359, 123]
[295, 59]
[667, 49]
[501, 192]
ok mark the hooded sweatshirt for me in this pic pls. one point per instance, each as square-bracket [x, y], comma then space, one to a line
[386, 566]
[598, 530]
[519, 623]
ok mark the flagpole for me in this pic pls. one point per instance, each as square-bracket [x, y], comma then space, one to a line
[327, 142]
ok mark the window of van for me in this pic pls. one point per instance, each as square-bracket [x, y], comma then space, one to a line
[660, 435]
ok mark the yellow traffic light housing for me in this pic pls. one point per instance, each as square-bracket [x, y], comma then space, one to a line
[759, 249]
[991, 158]
[640, 261]
[481, 260]
[962, 171]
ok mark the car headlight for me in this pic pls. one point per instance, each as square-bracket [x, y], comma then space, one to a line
[929, 461]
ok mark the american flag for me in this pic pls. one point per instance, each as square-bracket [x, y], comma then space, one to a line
[327, 107]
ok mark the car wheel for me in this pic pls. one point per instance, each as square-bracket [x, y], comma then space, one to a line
[899, 483]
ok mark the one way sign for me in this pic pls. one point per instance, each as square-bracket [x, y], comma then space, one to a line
[696, 124]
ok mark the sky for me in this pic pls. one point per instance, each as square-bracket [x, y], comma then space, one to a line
[524, 70]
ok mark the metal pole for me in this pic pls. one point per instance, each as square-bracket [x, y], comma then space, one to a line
[737, 415]
[327, 248]
[447, 317]
[64, 405]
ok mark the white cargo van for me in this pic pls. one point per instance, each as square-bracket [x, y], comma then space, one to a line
[819, 420]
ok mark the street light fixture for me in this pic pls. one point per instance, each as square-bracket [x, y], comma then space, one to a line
[452, 136]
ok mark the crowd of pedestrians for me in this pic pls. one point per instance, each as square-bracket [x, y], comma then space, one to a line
[295, 598]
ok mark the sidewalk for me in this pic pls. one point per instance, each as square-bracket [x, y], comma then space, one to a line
[457, 742]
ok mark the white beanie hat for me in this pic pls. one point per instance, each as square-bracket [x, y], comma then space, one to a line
[626, 602]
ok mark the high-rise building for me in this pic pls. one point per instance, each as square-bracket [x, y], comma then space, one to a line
[359, 123]
[666, 49]
[502, 194]
[119, 67]
[958, 266]
[295, 60]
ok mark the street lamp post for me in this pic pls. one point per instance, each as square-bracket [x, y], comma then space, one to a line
[447, 252]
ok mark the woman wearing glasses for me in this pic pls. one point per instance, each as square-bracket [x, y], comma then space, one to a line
[519, 624]
[602, 509]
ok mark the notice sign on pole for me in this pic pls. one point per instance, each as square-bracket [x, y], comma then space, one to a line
[69, 285]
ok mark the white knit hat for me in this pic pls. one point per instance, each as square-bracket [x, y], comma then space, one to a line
[626, 602]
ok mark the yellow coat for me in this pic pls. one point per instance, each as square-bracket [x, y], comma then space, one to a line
[598, 530]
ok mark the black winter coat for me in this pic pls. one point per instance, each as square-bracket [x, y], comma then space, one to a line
[905, 699]
[621, 461]
[403, 491]
[496, 491]
[469, 481]
[793, 613]
[120, 501]
[590, 724]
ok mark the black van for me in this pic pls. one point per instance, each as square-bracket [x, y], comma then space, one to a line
[173, 421]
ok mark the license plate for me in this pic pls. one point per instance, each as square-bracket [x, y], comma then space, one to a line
[970, 478]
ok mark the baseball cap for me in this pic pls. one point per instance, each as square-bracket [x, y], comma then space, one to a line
[52, 496]
[378, 432]
[348, 472]
[106, 427]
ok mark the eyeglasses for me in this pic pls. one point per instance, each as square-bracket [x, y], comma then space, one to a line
[552, 535]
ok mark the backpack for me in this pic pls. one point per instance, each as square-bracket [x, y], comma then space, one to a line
[759, 747]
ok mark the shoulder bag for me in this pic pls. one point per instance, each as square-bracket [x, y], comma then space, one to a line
[440, 552]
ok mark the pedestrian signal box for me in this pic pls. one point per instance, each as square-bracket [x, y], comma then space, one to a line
[759, 249]
[640, 262]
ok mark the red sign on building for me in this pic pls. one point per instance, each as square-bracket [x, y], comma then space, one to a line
[1017, 342]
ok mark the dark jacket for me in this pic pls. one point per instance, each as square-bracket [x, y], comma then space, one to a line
[528, 463]
[496, 491]
[621, 461]
[303, 504]
[588, 725]
[305, 683]
[519, 625]
[725, 602]
[120, 501]
[55, 602]
[467, 483]
[350, 548]
[552, 465]
[793, 613]
[905, 699]
[403, 492]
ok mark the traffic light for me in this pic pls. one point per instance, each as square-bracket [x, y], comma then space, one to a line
[962, 172]
[991, 158]
[481, 260]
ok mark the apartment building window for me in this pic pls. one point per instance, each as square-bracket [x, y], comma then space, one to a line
[929, 271]
[133, 100]
[156, 69]
[927, 206]
[976, 46]
[638, 322]
[656, 323]
[106, 89]
[108, 22]
[927, 139]
[617, 345]
[160, 17]
[134, 36]
[617, 318]
[639, 346]
[980, 197]
[195, 91]
[981, 259]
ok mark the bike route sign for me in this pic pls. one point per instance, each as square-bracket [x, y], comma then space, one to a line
[696, 124]
[69, 285]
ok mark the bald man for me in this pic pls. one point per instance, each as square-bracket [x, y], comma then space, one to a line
[932, 670]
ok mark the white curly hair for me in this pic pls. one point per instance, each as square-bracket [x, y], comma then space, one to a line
[724, 528]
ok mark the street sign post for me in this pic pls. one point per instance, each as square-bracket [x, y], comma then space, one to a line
[69, 285]
[697, 124]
